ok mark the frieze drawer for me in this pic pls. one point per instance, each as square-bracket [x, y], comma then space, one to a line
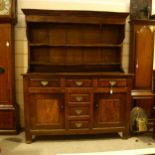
[112, 82]
[44, 82]
[78, 83]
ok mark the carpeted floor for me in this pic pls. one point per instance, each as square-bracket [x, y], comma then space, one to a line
[15, 144]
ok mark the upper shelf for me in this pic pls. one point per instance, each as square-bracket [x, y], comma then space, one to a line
[75, 34]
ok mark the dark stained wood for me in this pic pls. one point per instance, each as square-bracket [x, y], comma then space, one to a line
[109, 109]
[144, 54]
[75, 65]
[140, 30]
[72, 45]
[42, 106]
[69, 16]
[71, 37]
[141, 64]
[9, 118]
[5, 53]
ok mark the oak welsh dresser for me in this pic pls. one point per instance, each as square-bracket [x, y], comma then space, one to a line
[75, 83]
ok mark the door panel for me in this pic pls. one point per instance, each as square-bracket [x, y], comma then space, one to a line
[47, 111]
[109, 110]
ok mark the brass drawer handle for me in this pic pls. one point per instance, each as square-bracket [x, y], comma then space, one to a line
[44, 83]
[112, 83]
[78, 125]
[78, 111]
[79, 98]
[79, 83]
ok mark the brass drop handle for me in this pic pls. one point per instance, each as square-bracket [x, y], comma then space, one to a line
[79, 83]
[78, 111]
[79, 98]
[44, 83]
[78, 125]
[7, 44]
[111, 91]
[112, 84]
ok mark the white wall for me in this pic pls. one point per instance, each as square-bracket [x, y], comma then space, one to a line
[20, 35]
[111, 5]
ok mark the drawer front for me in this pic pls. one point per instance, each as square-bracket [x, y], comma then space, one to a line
[112, 82]
[78, 83]
[79, 111]
[79, 97]
[78, 124]
[44, 82]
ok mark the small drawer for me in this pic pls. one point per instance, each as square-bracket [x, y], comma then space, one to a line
[78, 124]
[112, 82]
[79, 111]
[79, 97]
[44, 82]
[78, 83]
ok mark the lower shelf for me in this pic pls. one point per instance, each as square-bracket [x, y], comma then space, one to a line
[136, 94]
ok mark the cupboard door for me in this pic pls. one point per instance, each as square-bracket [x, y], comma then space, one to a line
[5, 62]
[109, 110]
[46, 111]
[144, 58]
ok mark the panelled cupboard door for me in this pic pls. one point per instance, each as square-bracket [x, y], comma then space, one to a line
[109, 110]
[46, 111]
[5, 52]
[144, 57]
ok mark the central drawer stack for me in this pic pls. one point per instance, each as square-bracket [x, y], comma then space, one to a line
[79, 101]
